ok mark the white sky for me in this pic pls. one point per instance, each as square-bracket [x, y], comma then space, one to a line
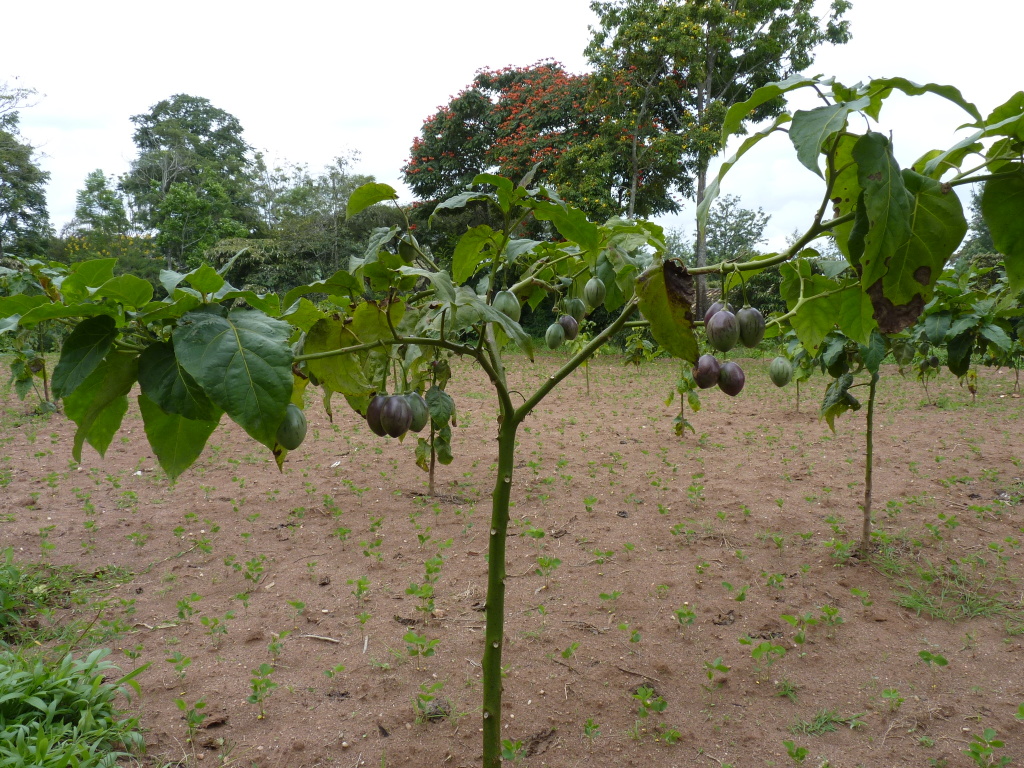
[312, 80]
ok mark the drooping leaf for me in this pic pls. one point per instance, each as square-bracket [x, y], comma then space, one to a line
[887, 204]
[459, 201]
[882, 87]
[242, 362]
[739, 112]
[176, 440]
[169, 386]
[341, 373]
[81, 352]
[1001, 204]
[473, 248]
[958, 353]
[164, 311]
[666, 294]
[367, 195]
[440, 405]
[444, 289]
[443, 445]
[874, 352]
[936, 326]
[751, 141]
[996, 335]
[99, 403]
[838, 400]
[811, 129]
[268, 303]
[467, 299]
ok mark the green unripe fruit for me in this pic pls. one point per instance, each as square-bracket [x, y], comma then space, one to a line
[780, 371]
[554, 336]
[576, 308]
[507, 303]
[751, 323]
[594, 292]
[420, 412]
[292, 431]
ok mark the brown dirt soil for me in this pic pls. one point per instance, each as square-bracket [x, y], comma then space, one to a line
[753, 518]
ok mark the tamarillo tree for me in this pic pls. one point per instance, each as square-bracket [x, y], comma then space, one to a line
[392, 320]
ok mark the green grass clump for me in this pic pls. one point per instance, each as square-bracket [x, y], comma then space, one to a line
[63, 714]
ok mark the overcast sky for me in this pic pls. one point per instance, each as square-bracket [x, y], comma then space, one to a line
[313, 80]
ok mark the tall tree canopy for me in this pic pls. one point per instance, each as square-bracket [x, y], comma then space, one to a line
[689, 61]
[508, 120]
[24, 219]
[193, 179]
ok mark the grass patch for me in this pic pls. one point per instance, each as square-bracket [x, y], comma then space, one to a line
[61, 714]
[31, 592]
[954, 592]
[825, 721]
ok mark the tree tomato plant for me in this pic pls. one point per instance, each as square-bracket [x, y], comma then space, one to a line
[390, 322]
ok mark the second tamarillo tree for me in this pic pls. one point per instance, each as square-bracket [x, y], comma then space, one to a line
[390, 322]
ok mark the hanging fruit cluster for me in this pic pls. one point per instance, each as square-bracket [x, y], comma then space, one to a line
[567, 326]
[724, 330]
[394, 415]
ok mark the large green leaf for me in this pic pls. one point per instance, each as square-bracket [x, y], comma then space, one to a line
[469, 299]
[54, 311]
[127, 290]
[886, 201]
[1002, 205]
[370, 323]
[855, 314]
[473, 248]
[815, 317]
[99, 404]
[176, 441]
[812, 128]
[666, 296]
[169, 386]
[242, 362]
[882, 87]
[571, 223]
[268, 303]
[85, 275]
[444, 289]
[846, 192]
[205, 279]
[367, 195]
[81, 352]
[157, 311]
[341, 283]
[340, 373]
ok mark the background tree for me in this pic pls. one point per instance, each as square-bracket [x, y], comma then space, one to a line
[193, 179]
[690, 61]
[102, 228]
[24, 219]
[307, 235]
[508, 120]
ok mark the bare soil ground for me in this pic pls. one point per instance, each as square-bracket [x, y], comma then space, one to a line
[753, 518]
